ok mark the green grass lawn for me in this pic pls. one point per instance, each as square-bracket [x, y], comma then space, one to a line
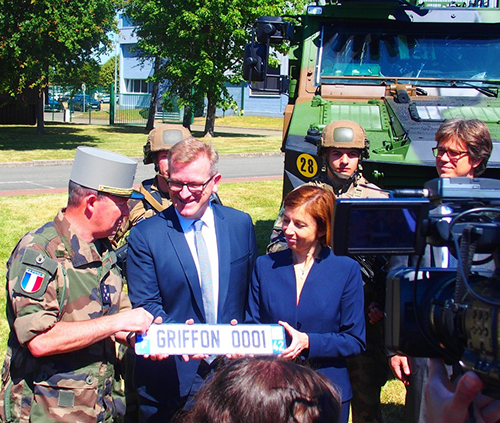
[19, 143]
[245, 122]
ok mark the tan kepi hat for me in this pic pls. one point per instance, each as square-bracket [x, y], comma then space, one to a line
[343, 134]
[104, 171]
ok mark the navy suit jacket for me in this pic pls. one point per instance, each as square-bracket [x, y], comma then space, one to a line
[162, 278]
[330, 309]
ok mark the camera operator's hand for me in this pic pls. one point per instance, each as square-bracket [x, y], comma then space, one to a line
[447, 403]
[401, 368]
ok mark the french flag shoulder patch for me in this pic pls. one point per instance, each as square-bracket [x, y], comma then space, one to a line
[32, 280]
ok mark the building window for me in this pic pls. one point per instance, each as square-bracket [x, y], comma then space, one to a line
[137, 86]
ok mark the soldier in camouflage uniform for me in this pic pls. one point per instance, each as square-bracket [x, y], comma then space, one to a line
[342, 147]
[155, 190]
[65, 304]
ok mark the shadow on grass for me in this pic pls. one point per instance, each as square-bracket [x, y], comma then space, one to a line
[58, 136]
[123, 129]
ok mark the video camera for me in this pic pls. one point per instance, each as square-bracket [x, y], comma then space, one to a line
[451, 307]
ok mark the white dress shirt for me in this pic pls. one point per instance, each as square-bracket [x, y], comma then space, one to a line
[210, 237]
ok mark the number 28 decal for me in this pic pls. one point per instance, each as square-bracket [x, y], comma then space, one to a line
[307, 165]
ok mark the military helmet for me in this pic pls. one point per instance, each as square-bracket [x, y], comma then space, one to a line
[343, 134]
[162, 138]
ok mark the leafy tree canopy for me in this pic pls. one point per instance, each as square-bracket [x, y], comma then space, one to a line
[73, 78]
[37, 35]
[201, 43]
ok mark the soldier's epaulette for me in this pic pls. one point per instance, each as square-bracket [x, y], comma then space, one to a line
[35, 273]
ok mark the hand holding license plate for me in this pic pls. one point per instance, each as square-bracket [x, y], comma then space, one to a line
[178, 339]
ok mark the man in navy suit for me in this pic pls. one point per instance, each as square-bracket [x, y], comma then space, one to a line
[167, 274]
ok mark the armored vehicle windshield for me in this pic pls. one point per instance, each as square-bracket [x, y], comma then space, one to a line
[429, 53]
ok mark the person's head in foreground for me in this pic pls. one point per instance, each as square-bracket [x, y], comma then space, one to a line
[193, 170]
[265, 390]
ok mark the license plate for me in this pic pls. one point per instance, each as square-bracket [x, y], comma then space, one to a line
[177, 339]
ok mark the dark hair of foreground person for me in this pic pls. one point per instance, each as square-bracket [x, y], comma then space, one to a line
[265, 390]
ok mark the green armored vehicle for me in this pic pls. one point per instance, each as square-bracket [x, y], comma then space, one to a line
[396, 68]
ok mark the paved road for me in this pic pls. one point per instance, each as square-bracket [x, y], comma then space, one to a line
[53, 176]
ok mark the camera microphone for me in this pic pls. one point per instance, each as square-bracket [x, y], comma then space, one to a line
[410, 193]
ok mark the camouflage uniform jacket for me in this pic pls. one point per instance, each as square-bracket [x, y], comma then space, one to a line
[154, 201]
[53, 275]
[359, 188]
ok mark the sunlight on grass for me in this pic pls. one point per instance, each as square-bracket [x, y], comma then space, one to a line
[245, 122]
[393, 400]
[236, 145]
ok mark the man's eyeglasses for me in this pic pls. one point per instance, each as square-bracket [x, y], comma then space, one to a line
[193, 187]
[452, 154]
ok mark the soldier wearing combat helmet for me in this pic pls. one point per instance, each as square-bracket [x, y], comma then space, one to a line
[342, 147]
[66, 306]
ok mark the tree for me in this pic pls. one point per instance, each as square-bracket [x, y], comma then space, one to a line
[107, 72]
[88, 73]
[36, 35]
[201, 43]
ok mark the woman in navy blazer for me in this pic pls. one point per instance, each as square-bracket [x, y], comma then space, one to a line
[316, 296]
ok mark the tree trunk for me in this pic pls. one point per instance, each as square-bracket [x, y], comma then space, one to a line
[40, 124]
[210, 121]
[154, 97]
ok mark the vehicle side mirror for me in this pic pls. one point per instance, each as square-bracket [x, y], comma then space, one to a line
[254, 62]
